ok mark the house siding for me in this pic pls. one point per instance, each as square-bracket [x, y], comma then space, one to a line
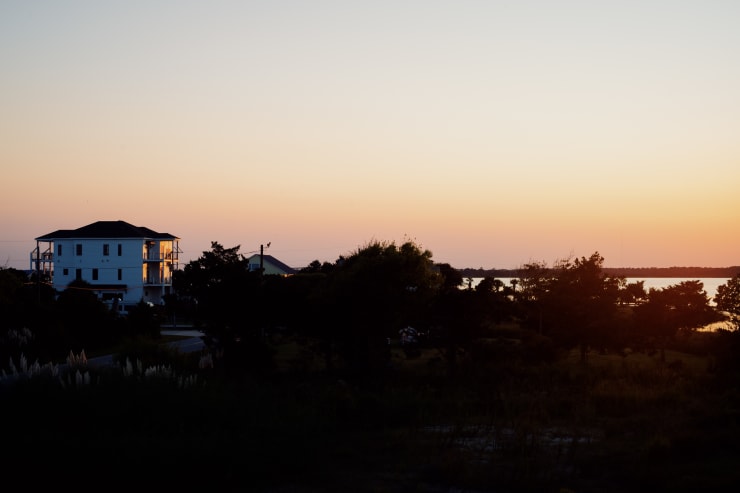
[270, 264]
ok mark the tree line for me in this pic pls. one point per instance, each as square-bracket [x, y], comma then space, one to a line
[355, 306]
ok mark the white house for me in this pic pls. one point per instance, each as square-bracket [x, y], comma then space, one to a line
[124, 264]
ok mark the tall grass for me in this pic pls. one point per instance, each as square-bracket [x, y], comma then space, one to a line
[504, 423]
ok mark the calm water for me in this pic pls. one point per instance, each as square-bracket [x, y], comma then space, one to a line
[710, 283]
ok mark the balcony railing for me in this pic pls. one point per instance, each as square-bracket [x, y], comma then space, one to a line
[155, 280]
[46, 256]
[159, 257]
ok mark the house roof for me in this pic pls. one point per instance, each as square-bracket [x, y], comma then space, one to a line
[107, 229]
[275, 262]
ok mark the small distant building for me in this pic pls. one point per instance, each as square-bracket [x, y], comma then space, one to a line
[124, 264]
[270, 264]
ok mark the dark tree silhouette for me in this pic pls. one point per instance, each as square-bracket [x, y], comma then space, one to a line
[457, 318]
[451, 277]
[534, 281]
[144, 320]
[15, 336]
[493, 301]
[229, 305]
[573, 302]
[679, 306]
[633, 293]
[583, 302]
[85, 321]
[11, 287]
[318, 267]
[370, 295]
[728, 299]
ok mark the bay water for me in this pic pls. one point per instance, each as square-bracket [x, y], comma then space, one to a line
[710, 283]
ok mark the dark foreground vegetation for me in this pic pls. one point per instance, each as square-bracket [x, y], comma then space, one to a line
[569, 380]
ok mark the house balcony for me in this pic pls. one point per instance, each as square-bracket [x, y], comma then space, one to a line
[41, 261]
[159, 257]
[46, 256]
[158, 281]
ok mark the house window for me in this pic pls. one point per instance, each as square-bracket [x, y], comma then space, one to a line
[78, 249]
[95, 274]
[106, 249]
[120, 249]
[65, 272]
[78, 274]
[120, 274]
[59, 250]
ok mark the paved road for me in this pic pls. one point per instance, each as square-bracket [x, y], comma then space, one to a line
[194, 341]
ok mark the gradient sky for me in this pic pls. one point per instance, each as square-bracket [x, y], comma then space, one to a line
[492, 133]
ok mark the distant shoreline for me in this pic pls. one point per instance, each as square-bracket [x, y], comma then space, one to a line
[682, 272]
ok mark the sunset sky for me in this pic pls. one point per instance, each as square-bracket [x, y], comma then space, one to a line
[492, 133]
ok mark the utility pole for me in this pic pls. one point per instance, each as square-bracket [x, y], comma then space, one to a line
[38, 275]
[262, 258]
